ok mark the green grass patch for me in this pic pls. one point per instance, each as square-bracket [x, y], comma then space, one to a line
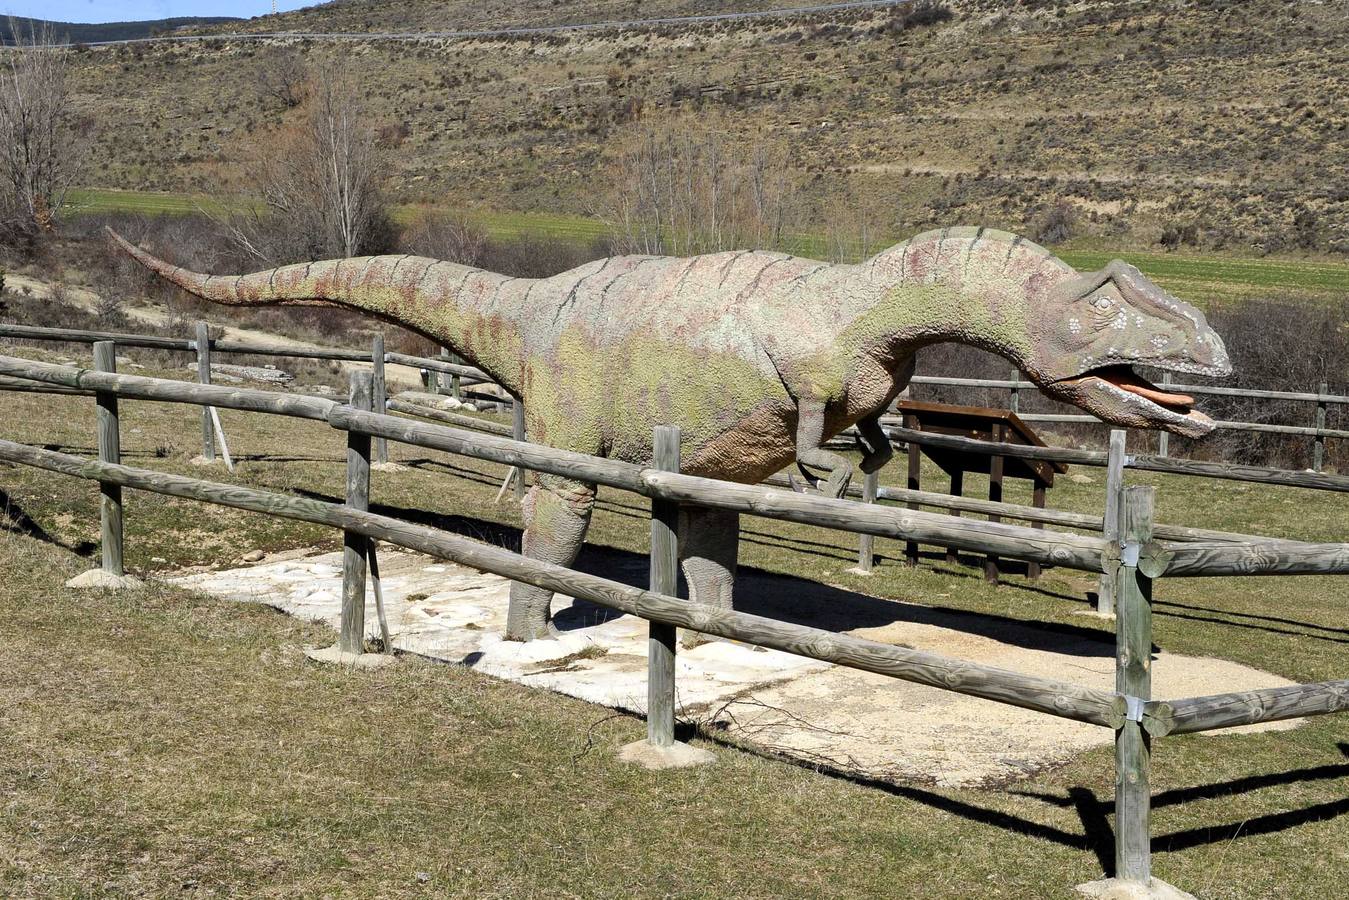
[1198, 278]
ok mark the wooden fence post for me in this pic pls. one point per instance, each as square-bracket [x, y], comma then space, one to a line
[1133, 679]
[996, 465]
[518, 432]
[351, 640]
[1319, 442]
[1114, 487]
[1164, 437]
[1015, 390]
[379, 393]
[111, 573]
[204, 377]
[660, 750]
[866, 543]
[109, 451]
[456, 390]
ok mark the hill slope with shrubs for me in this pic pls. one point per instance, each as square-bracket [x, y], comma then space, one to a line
[1209, 124]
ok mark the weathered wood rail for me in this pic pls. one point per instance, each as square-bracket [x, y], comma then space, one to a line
[469, 375]
[1132, 557]
[1317, 431]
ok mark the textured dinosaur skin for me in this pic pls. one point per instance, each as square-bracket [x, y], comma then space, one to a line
[758, 357]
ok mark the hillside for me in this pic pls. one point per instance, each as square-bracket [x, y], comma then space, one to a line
[74, 32]
[1227, 117]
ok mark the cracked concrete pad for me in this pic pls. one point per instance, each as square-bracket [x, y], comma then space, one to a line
[866, 724]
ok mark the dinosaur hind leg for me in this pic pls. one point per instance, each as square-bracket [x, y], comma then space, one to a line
[709, 543]
[557, 513]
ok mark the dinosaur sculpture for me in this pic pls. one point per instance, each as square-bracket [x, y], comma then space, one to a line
[758, 357]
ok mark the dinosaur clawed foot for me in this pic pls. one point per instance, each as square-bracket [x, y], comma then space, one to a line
[834, 487]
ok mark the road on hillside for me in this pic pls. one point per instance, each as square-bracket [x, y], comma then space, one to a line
[504, 32]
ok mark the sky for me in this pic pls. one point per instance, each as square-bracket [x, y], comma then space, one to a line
[136, 10]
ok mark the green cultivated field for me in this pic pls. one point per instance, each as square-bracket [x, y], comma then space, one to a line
[163, 742]
[1198, 278]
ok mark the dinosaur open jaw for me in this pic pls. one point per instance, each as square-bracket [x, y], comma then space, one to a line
[1124, 378]
[1118, 394]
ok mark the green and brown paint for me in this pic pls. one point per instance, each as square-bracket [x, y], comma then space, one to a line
[758, 357]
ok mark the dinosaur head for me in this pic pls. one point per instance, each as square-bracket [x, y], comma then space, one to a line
[1089, 330]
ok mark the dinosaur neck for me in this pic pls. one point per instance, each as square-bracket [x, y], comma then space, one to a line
[953, 286]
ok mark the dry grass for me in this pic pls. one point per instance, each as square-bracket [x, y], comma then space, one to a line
[161, 742]
[1218, 119]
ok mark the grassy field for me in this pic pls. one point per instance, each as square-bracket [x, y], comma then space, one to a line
[162, 742]
[1198, 278]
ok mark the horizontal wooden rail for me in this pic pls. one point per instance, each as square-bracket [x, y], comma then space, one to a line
[1267, 558]
[1221, 424]
[138, 387]
[1056, 698]
[1014, 541]
[1211, 389]
[1163, 717]
[449, 418]
[24, 386]
[1166, 465]
[157, 342]
[81, 336]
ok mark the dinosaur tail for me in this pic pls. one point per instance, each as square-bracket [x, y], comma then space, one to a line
[372, 283]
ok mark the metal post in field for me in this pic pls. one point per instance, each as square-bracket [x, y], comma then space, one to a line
[660, 750]
[1114, 487]
[112, 573]
[379, 393]
[1319, 442]
[204, 377]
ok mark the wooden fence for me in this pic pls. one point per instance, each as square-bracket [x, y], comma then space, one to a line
[1316, 430]
[1133, 557]
[463, 375]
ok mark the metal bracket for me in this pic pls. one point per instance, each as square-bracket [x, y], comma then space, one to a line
[192, 345]
[1129, 460]
[1133, 708]
[1130, 553]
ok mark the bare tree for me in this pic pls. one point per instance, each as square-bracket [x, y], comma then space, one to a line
[38, 149]
[684, 190]
[319, 180]
[284, 77]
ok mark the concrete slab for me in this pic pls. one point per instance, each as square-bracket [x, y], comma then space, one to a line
[840, 718]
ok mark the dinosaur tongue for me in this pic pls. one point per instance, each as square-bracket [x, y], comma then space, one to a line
[1126, 379]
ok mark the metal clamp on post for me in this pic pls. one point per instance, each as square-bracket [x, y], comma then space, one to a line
[1133, 708]
[1129, 553]
[1129, 460]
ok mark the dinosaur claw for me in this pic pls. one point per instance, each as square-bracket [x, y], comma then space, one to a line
[837, 485]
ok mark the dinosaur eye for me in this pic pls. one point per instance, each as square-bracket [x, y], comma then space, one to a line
[1101, 303]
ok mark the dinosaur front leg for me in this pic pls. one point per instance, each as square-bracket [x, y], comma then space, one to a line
[557, 513]
[709, 543]
[809, 453]
[875, 445]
